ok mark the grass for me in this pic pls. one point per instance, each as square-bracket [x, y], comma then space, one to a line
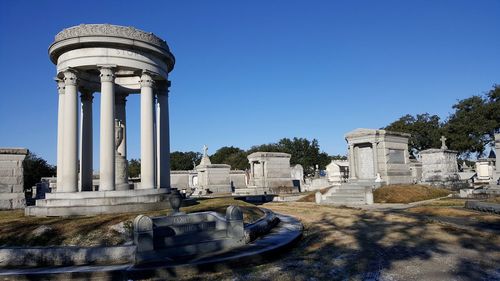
[407, 193]
[454, 213]
[103, 230]
[494, 199]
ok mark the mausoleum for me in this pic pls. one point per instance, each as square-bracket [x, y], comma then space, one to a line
[378, 155]
[114, 61]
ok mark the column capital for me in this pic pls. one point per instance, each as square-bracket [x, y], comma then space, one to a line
[146, 80]
[121, 98]
[86, 95]
[107, 74]
[70, 77]
[60, 86]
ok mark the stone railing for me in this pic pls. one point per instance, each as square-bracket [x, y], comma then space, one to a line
[184, 236]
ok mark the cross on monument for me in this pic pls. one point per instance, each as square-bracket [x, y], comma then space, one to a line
[205, 150]
[443, 143]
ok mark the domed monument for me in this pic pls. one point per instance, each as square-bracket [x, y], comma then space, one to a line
[115, 61]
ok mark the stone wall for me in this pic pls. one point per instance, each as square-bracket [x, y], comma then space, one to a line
[11, 178]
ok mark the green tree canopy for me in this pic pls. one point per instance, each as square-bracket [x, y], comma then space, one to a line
[231, 155]
[134, 168]
[35, 168]
[425, 130]
[184, 160]
[471, 128]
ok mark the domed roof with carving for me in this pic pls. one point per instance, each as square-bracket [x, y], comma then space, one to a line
[110, 30]
[108, 35]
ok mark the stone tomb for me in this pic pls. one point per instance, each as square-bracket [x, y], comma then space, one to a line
[378, 155]
[184, 236]
[270, 172]
[11, 178]
[497, 154]
[114, 61]
[212, 178]
[439, 165]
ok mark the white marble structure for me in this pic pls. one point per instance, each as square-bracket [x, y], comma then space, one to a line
[115, 61]
[485, 172]
[11, 178]
[497, 154]
[212, 178]
[378, 152]
[337, 171]
[439, 166]
[270, 172]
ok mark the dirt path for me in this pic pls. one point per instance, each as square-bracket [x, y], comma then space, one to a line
[353, 244]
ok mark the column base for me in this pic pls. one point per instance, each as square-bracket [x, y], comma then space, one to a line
[99, 202]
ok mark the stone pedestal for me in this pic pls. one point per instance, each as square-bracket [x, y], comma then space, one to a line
[11, 178]
[121, 175]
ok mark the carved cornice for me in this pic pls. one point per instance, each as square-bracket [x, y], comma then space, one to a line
[110, 30]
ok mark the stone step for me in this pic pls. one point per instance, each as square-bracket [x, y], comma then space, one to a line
[355, 190]
[94, 210]
[352, 198]
[344, 201]
[153, 198]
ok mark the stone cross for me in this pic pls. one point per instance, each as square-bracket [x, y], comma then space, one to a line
[443, 142]
[205, 150]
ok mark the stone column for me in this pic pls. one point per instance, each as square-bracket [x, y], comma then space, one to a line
[70, 142]
[147, 133]
[107, 147]
[60, 133]
[352, 167]
[375, 158]
[86, 157]
[163, 139]
[121, 164]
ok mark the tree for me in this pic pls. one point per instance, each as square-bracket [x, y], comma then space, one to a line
[425, 130]
[35, 168]
[303, 151]
[471, 128]
[184, 160]
[231, 155]
[134, 168]
[338, 157]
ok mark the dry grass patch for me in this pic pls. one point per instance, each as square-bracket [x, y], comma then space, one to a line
[102, 230]
[407, 193]
[494, 199]
[455, 213]
[346, 243]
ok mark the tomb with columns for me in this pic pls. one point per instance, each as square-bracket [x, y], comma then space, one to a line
[113, 61]
[378, 156]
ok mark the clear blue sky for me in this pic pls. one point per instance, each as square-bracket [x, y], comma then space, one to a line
[256, 71]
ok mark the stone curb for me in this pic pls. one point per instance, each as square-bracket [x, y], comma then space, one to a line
[483, 206]
[84, 262]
